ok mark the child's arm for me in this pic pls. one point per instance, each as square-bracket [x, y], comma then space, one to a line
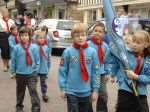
[110, 65]
[49, 57]
[49, 43]
[37, 59]
[144, 77]
[11, 43]
[63, 70]
[95, 73]
[13, 61]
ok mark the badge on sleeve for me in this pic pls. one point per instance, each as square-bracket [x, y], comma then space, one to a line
[62, 62]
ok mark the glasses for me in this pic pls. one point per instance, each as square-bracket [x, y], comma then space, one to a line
[79, 34]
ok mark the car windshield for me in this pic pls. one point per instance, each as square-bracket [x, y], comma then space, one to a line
[65, 25]
[48, 23]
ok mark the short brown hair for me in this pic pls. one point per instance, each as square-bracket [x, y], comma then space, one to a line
[25, 30]
[78, 28]
[100, 24]
[13, 27]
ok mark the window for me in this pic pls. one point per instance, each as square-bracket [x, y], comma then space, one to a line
[61, 13]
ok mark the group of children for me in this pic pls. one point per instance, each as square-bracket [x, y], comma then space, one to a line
[86, 65]
[84, 69]
[30, 58]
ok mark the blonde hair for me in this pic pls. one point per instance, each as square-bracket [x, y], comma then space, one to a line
[78, 28]
[128, 37]
[142, 34]
[40, 34]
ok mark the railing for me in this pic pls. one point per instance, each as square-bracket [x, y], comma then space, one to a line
[86, 3]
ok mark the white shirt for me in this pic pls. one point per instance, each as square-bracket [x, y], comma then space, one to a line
[3, 26]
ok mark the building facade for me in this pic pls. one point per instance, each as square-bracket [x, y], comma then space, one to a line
[11, 6]
[58, 9]
[93, 9]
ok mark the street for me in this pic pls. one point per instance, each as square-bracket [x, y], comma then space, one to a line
[55, 104]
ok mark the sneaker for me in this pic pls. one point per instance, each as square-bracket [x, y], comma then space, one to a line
[5, 70]
[12, 76]
[45, 98]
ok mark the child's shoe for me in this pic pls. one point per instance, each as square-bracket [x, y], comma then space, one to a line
[12, 76]
[45, 98]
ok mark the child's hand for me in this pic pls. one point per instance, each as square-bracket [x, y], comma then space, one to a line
[94, 96]
[63, 94]
[131, 75]
[106, 78]
[112, 79]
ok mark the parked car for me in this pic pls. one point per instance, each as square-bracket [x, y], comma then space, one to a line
[60, 31]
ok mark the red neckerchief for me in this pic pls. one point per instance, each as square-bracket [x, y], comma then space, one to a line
[100, 49]
[6, 22]
[138, 67]
[27, 54]
[84, 73]
[42, 53]
[16, 38]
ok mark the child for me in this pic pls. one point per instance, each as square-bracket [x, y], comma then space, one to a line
[139, 73]
[44, 62]
[128, 39]
[25, 64]
[79, 72]
[102, 48]
[48, 37]
[13, 40]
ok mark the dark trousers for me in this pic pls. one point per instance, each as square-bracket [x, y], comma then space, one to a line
[101, 105]
[4, 45]
[127, 102]
[78, 104]
[31, 83]
[43, 84]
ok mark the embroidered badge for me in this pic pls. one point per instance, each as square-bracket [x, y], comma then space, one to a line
[74, 59]
[88, 61]
[62, 62]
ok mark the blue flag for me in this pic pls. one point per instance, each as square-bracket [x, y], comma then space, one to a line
[117, 44]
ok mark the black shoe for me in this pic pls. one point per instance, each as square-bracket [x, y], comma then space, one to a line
[45, 98]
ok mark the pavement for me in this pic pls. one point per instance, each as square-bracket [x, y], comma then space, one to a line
[55, 104]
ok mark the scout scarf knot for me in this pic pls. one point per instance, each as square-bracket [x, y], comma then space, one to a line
[139, 63]
[84, 73]
[42, 53]
[27, 54]
[100, 49]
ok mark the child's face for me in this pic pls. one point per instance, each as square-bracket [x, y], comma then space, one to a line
[15, 31]
[139, 43]
[98, 32]
[24, 37]
[79, 38]
[129, 41]
[40, 40]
